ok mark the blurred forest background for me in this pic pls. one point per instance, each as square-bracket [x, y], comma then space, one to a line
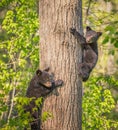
[19, 58]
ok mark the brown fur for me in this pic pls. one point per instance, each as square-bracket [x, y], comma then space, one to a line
[89, 51]
[40, 85]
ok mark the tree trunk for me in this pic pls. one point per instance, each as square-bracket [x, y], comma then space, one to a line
[60, 51]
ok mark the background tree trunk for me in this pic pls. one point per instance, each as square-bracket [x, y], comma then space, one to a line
[60, 51]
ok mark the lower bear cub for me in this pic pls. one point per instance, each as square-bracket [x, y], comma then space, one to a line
[89, 50]
[40, 86]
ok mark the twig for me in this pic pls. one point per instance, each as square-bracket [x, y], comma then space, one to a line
[87, 11]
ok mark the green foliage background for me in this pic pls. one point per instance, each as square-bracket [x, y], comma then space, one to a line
[100, 100]
[19, 59]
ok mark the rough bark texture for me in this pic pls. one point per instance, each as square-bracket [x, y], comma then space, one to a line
[60, 51]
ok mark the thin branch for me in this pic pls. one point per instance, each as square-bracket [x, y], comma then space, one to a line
[87, 11]
[12, 103]
[12, 94]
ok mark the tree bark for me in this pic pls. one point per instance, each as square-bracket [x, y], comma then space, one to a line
[60, 51]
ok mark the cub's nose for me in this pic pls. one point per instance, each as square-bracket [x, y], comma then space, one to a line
[53, 84]
[52, 81]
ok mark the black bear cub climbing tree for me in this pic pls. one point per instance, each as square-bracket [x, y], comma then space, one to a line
[40, 85]
[89, 51]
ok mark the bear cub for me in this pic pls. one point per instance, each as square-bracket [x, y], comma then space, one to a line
[89, 50]
[40, 85]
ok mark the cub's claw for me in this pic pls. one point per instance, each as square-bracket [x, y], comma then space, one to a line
[72, 30]
[59, 82]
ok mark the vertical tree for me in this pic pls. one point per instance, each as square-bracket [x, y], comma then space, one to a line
[62, 53]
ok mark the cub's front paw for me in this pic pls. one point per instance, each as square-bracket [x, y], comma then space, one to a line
[59, 82]
[72, 30]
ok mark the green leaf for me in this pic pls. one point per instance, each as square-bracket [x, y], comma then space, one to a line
[106, 40]
[116, 44]
[112, 52]
[112, 40]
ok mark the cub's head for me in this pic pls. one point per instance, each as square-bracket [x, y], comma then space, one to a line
[44, 78]
[91, 35]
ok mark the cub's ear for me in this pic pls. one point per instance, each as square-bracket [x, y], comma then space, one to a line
[99, 33]
[88, 28]
[38, 72]
[47, 69]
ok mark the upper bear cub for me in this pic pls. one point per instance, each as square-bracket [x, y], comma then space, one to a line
[89, 50]
[40, 86]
